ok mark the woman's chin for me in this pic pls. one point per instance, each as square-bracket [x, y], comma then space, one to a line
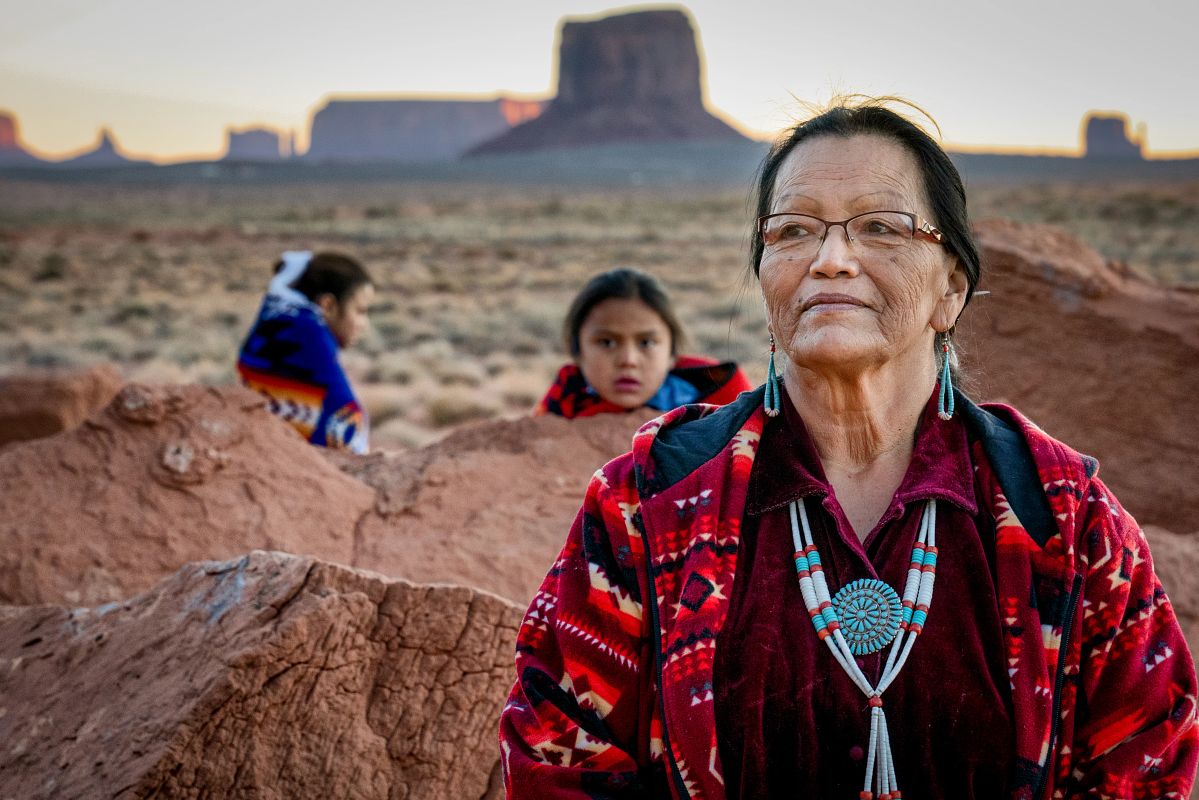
[833, 353]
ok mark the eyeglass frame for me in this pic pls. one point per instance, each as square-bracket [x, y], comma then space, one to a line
[920, 226]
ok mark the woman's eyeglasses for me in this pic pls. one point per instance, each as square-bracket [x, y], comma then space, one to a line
[801, 235]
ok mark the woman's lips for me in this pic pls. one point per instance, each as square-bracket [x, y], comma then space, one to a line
[831, 302]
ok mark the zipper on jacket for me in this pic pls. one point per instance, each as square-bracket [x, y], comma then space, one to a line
[680, 787]
[1063, 652]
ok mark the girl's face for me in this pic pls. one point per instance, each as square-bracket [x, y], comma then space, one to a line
[624, 351]
[347, 321]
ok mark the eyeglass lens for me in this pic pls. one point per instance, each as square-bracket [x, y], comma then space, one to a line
[874, 229]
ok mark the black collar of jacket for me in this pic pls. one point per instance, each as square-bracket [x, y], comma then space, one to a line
[681, 449]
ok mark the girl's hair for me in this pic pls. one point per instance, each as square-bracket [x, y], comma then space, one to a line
[623, 284]
[330, 273]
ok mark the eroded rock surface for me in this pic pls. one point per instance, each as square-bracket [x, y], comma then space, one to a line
[37, 404]
[270, 676]
[1096, 354]
[161, 477]
[168, 475]
[490, 505]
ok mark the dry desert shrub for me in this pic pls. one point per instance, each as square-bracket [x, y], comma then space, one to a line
[456, 406]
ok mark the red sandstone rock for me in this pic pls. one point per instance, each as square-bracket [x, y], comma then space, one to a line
[37, 404]
[271, 676]
[1099, 356]
[627, 78]
[490, 505]
[169, 475]
[164, 476]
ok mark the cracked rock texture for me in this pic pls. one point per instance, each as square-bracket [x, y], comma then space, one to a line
[1097, 355]
[37, 404]
[168, 475]
[270, 676]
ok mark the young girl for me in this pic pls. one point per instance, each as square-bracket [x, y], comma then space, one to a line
[624, 337]
[316, 304]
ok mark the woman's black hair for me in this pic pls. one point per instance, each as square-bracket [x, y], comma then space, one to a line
[624, 284]
[853, 116]
[330, 273]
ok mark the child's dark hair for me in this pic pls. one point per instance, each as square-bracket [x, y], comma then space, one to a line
[623, 284]
[330, 273]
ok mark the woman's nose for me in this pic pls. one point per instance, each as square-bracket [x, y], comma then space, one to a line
[836, 256]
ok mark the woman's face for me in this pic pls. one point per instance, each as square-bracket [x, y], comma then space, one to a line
[347, 321]
[624, 351]
[848, 307]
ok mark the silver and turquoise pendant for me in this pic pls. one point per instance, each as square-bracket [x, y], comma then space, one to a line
[869, 611]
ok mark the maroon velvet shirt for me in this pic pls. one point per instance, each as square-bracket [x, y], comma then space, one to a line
[791, 723]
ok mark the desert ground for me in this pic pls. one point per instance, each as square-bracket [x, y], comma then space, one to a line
[473, 280]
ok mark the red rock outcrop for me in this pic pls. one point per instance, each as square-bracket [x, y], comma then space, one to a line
[162, 477]
[632, 77]
[169, 475]
[490, 505]
[271, 676]
[37, 404]
[1099, 356]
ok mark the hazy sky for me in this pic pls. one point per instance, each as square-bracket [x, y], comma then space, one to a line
[168, 77]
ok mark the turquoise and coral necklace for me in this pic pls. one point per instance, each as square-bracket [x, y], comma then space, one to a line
[863, 618]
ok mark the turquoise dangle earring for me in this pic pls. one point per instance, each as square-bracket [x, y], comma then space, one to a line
[771, 401]
[945, 399]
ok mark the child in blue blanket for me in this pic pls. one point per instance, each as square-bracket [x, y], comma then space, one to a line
[315, 305]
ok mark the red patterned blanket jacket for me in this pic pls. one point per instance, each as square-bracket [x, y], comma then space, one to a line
[613, 696]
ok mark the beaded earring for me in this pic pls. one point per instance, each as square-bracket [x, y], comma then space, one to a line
[945, 398]
[771, 401]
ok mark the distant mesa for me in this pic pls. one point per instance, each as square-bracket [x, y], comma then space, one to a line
[413, 130]
[1106, 136]
[12, 154]
[106, 153]
[256, 144]
[632, 77]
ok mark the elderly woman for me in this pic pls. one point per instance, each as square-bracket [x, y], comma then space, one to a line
[854, 580]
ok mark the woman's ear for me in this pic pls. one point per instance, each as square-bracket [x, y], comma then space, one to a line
[950, 304]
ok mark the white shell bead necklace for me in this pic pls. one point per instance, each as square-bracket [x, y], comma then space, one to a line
[867, 610]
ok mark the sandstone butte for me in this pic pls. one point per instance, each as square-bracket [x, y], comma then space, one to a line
[271, 676]
[634, 77]
[163, 476]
